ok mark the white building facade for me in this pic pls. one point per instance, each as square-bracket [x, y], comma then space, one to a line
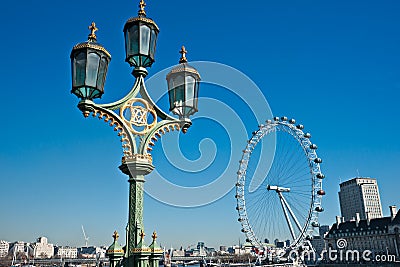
[381, 236]
[360, 195]
[42, 249]
[4, 248]
[66, 252]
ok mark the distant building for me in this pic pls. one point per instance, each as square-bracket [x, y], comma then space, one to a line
[66, 252]
[91, 252]
[43, 249]
[17, 247]
[201, 248]
[323, 229]
[379, 235]
[223, 248]
[178, 253]
[360, 195]
[281, 244]
[318, 243]
[4, 248]
[238, 250]
[210, 251]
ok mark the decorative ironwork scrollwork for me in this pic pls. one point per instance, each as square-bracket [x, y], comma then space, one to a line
[137, 113]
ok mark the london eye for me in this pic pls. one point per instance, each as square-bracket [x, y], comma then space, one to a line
[283, 202]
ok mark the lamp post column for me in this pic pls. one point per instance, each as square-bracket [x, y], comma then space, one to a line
[136, 117]
[136, 170]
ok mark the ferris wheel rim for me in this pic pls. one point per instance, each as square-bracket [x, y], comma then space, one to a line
[316, 177]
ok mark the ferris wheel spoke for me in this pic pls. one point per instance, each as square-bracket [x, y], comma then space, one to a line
[290, 163]
[301, 206]
[296, 172]
[301, 193]
[282, 162]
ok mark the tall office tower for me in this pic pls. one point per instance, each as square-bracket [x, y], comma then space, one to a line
[360, 195]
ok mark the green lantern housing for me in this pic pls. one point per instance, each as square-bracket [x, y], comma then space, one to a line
[89, 63]
[183, 88]
[140, 39]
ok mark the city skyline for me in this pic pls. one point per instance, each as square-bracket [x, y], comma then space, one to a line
[334, 67]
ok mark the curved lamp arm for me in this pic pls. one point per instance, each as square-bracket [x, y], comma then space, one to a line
[160, 129]
[135, 144]
[127, 139]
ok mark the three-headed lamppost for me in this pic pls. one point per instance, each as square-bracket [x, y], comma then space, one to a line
[137, 119]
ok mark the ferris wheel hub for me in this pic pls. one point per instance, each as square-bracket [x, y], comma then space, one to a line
[278, 188]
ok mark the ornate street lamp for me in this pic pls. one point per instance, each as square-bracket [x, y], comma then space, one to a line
[137, 119]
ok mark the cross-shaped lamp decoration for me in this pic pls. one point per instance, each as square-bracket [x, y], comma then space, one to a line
[93, 29]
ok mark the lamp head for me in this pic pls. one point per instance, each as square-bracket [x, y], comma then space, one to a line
[89, 64]
[183, 88]
[140, 41]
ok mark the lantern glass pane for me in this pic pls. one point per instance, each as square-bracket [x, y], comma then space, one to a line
[92, 69]
[153, 43]
[179, 87]
[171, 93]
[196, 91]
[188, 111]
[179, 95]
[79, 69]
[132, 40]
[144, 39]
[190, 82]
[102, 73]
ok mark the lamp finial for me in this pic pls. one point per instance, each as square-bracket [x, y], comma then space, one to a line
[154, 236]
[115, 235]
[142, 234]
[183, 53]
[141, 12]
[92, 36]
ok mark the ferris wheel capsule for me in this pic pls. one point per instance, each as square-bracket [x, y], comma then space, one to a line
[284, 118]
[307, 135]
[315, 224]
[318, 160]
[319, 209]
[320, 176]
[300, 126]
[313, 146]
[309, 238]
[276, 118]
[292, 121]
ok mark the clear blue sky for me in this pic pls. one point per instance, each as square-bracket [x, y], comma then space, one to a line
[332, 65]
